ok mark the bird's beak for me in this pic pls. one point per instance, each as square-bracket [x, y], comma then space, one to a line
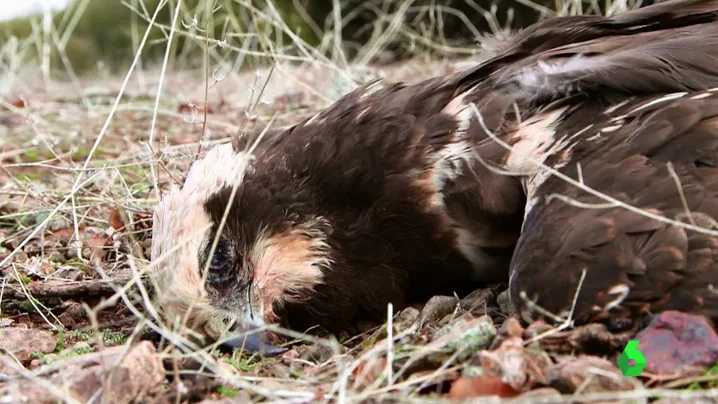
[253, 342]
[251, 337]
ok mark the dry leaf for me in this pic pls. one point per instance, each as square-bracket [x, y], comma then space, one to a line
[368, 371]
[187, 107]
[468, 387]
[66, 234]
[115, 220]
[96, 244]
[19, 103]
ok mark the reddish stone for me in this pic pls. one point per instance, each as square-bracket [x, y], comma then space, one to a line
[676, 342]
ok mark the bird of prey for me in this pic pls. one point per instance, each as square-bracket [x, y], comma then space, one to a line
[399, 192]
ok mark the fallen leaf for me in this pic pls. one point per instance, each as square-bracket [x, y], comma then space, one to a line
[588, 374]
[520, 368]
[64, 234]
[368, 371]
[96, 245]
[115, 220]
[189, 106]
[19, 103]
[480, 386]
[511, 328]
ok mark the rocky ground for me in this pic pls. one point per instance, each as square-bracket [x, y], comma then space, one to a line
[76, 193]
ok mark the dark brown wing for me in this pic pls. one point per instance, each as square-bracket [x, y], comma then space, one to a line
[643, 51]
[633, 264]
[672, 46]
[667, 47]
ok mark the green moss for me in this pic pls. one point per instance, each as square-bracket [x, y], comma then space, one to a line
[82, 350]
[31, 176]
[37, 355]
[81, 152]
[28, 306]
[80, 335]
[226, 391]
[76, 263]
[32, 156]
[113, 339]
[60, 340]
[713, 371]
[243, 361]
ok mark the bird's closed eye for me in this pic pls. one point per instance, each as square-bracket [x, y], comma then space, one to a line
[220, 263]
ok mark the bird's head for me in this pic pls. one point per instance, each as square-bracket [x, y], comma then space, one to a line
[226, 253]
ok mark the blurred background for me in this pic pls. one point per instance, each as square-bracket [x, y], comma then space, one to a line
[90, 37]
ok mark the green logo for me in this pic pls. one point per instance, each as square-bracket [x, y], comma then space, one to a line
[631, 352]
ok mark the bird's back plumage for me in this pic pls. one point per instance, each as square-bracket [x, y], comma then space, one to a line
[610, 103]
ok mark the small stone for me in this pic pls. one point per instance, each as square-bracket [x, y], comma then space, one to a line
[406, 318]
[8, 367]
[23, 342]
[436, 308]
[588, 374]
[477, 299]
[537, 328]
[49, 358]
[72, 249]
[57, 256]
[46, 268]
[86, 252]
[138, 371]
[518, 367]
[676, 342]
[507, 363]
[464, 336]
[76, 311]
[116, 375]
[511, 328]
[58, 222]
[504, 302]
[6, 322]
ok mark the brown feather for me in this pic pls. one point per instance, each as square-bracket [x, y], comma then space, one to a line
[663, 266]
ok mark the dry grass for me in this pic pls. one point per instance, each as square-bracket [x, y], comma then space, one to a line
[84, 160]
